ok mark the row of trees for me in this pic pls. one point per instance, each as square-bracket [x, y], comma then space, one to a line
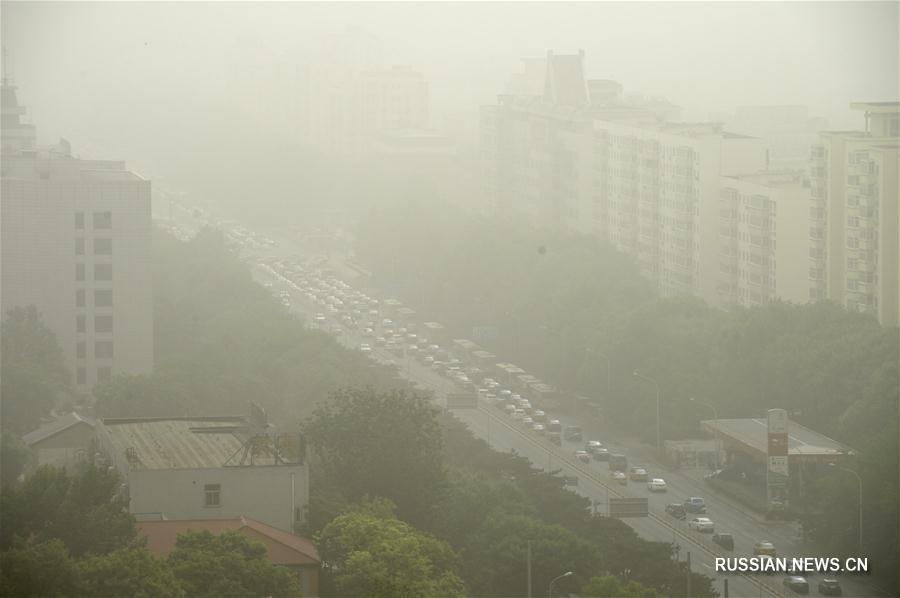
[220, 340]
[404, 499]
[404, 496]
[562, 303]
[70, 535]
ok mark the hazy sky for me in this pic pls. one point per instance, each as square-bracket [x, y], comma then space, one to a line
[94, 68]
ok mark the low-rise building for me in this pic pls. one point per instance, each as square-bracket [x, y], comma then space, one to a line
[209, 468]
[284, 549]
[65, 442]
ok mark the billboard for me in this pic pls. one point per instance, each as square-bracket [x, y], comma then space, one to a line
[777, 469]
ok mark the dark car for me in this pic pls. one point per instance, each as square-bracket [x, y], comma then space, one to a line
[830, 587]
[555, 438]
[695, 504]
[797, 583]
[726, 541]
[573, 434]
[676, 510]
[601, 454]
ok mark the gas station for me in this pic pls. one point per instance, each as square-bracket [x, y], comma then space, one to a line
[773, 454]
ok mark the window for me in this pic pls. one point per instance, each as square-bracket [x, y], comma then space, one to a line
[79, 272]
[81, 376]
[212, 494]
[853, 221]
[852, 263]
[79, 246]
[104, 374]
[79, 220]
[103, 324]
[102, 246]
[102, 220]
[79, 324]
[851, 285]
[80, 350]
[103, 349]
[79, 298]
[103, 298]
[102, 271]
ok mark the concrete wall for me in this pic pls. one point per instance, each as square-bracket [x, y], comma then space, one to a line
[263, 493]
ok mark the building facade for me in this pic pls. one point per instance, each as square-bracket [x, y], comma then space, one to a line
[763, 255]
[854, 222]
[208, 468]
[76, 243]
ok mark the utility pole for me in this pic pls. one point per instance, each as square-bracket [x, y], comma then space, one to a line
[725, 588]
[529, 568]
[688, 592]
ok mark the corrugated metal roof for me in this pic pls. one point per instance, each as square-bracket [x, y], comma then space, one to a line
[173, 443]
[55, 427]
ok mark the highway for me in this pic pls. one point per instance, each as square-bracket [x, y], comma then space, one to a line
[505, 434]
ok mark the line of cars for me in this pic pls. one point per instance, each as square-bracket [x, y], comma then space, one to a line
[357, 310]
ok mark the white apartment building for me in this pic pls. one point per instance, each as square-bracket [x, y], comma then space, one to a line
[763, 251]
[854, 221]
[76, 237]
[656, 195]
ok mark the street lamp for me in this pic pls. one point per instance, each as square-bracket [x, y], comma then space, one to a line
[639, 375]
[859, 523]
[555, 579]
[716, 416]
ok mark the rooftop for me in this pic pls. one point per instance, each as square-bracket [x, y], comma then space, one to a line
[752, 434]
[283, 548]
[55, 427]
[180, 443]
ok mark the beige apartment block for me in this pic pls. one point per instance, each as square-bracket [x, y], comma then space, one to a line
[76, 241]
[854, 218]
[764, 252]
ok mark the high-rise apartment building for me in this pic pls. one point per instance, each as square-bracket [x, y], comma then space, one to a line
[763, 250]
[854, 221]
[75, 242]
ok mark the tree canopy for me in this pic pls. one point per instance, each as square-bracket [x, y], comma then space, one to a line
[383, 557]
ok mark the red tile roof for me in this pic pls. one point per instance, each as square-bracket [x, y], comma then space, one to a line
[283, 548]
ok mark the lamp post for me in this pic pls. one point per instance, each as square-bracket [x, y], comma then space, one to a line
[639, 375]
[716, 416]
[555, 579]
[859, 523]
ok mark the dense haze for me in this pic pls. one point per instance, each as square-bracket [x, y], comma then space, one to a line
[594, 299]
[121, 76]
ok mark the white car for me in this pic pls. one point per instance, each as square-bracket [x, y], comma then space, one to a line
[702, 524]
[539, 428]
[657, 485]
[365, 348]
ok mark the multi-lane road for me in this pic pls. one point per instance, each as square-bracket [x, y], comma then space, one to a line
[505, 434]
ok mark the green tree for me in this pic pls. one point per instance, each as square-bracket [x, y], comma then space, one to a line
[85, 511]
[127, 572]
[384, 444]
[41, 569]
[32, 369]
[14, 456]
[608, 586]
[496, 555]
[228, 564]
[372, 554]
